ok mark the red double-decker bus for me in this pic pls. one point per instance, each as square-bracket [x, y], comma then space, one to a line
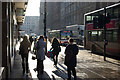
[94, 37]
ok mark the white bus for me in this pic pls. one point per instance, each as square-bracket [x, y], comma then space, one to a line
[77, 33]
[62, 35]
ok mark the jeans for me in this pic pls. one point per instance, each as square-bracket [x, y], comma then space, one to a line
[25, 63]
[40, 66]
[69, 73]
[55, 59]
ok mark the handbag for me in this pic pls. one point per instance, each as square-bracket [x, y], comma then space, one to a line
[49, 54]
[33, 57]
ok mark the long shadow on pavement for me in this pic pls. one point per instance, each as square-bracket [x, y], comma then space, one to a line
[44, 76]
[62, 74]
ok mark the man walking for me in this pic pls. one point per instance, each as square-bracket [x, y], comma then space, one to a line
[70, 58]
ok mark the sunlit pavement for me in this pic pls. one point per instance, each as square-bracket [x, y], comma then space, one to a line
[50, 71]
[92, 67]
[89, 66]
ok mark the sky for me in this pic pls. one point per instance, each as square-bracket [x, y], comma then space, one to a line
[33, 8]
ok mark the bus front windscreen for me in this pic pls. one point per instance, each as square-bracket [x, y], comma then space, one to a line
[65, 35]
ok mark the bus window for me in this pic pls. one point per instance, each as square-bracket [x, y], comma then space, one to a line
[94, 15]
[88, 18]
[115, 35]
[109, 35]
[100, 35]
[116, 12]
[110, 11]
[94, 36]
[89, 36]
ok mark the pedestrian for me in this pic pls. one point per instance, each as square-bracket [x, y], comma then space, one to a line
[70, 58]
[56, 49]
[40, 54]
[24, 52]
[31, 39]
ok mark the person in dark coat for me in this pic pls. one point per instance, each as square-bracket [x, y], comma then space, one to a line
[70, 58]
[56, 49]
[40, 45]
[24, 52]
[31, 39]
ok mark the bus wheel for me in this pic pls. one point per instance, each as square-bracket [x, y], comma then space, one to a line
[93, 49]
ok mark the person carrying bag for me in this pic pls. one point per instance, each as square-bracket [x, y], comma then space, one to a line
[56, 49]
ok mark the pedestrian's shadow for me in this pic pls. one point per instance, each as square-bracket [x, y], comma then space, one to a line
[44, 76]
[61, 73]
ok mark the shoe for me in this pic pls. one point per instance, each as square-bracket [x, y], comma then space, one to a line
[27, 74]
[55, 66]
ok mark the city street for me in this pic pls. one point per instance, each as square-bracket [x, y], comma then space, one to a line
[89, 66]
[92, 66]
[93, 25]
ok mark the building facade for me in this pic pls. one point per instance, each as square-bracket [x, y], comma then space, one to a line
[61, 14]
[53, 15]
[73, 12]
[11, 17]
[31, 25]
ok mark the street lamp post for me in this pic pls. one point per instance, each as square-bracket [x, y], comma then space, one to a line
[45, 18]
[105, 41]
[45, 13]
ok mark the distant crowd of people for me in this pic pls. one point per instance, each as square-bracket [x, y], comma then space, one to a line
[39, 50]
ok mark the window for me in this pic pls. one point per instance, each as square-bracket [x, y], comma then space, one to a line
[89, 36]
[116, 12]
[94, 36]
[88, 18]
[109, 35]
[115, 36]
[100, 35]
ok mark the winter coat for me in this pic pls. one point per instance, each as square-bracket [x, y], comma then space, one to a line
[25, 47]
[56, 48]
[70, 55]
[41, 49]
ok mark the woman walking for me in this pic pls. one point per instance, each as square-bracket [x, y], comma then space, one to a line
[40, 45]
[56, 49]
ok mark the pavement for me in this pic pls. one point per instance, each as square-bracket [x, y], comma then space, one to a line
[16, 73]
[50, 71]
[89, 67]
